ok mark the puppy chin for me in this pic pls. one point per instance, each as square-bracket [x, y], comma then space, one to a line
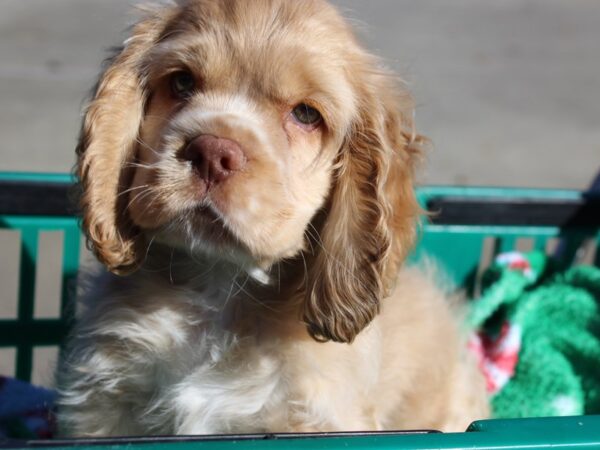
[205, 239]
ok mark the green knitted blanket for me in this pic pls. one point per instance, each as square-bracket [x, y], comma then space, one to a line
[539, 337]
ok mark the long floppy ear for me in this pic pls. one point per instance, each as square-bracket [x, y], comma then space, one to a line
[107, 142]
[371, 219]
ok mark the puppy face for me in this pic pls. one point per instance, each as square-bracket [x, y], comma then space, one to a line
[225, 126]
[246, 110]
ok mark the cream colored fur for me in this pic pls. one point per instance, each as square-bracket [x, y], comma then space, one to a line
[273, 300]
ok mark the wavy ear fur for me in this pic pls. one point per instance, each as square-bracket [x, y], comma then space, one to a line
[371, 218]
[107, 142]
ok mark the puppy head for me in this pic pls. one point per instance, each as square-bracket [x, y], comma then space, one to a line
[224, 127]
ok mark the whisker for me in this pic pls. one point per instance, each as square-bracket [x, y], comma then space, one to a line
[233, 283]
[305, 278]
[171, 265]
[258, 302]
[308, 236]
[204, 274]
[148, 248]
[139, 195]
[241, 287]
[149, 147]
[149, 205]
[166, 197]
[127, 191]
[139, 165]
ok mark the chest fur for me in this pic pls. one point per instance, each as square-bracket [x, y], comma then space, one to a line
[186, 372]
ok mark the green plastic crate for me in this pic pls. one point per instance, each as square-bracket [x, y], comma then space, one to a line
[465, 222]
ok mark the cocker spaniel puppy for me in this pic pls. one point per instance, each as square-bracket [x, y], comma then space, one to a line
[246, 172]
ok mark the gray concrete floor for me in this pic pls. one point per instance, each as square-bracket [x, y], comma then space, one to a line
[508, 91]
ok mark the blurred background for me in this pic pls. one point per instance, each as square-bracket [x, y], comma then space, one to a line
[508, 91]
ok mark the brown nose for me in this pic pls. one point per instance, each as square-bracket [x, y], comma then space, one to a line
[214, 158]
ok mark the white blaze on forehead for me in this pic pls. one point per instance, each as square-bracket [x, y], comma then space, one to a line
[238, 112]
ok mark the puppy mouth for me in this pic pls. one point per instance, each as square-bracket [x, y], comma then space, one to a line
[209, 223]
[208, 212]
[206, 218]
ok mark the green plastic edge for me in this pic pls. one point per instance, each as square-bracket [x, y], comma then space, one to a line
[546, 433]
[37, 177]
[424, 192]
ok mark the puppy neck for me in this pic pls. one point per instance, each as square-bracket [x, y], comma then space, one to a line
[178, 267]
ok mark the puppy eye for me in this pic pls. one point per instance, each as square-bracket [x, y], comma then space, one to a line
[306, 115]
[182, 84]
